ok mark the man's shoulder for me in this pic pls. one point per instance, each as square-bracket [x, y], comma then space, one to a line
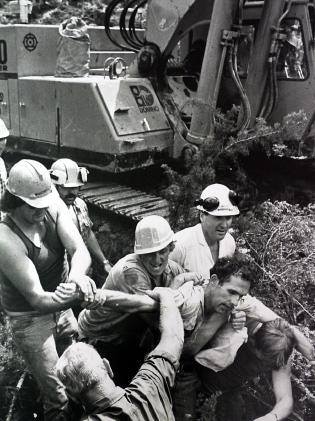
[9, 239]
[126, 272]
[187, 233]
[174, 267]
[80, 204]
[159, 368]
[2, 166]
[227, 245]
[228, 239]
[128, 263]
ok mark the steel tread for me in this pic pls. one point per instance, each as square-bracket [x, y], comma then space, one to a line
[124, 200]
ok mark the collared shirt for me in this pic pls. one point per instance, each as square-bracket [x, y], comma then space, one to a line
[3, 178]
[193, 253]
[82, 219]
[130, 276]
[148, 396]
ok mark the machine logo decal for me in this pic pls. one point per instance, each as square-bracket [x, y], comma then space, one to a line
[144, 98]
[3, 55]
[30, 42]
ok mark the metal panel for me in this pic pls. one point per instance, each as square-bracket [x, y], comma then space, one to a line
[133, 106]
[37, 107]
[8, 56]
[36, 48]
[84, 122]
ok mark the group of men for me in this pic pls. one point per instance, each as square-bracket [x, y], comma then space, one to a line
[170, 319]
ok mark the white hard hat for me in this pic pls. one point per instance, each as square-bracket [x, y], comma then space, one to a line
[218, 200]
[4, 132]
[30, 181]
[153, 233]
[67, 173]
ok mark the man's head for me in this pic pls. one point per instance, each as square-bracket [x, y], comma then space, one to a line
[29, 191]
[4, 133]
[154, 242]
[81, 369]
[217, 206]
[274, 343]
[230, 280]
[68, 178]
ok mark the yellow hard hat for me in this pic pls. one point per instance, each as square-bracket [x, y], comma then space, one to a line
[153, 233]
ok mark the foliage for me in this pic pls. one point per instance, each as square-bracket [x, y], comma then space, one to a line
[280, 237]
[11, 366]
[221, 158]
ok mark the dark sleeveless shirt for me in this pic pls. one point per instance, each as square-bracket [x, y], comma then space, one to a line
[49, 260]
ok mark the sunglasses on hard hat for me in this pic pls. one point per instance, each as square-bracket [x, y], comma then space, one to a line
[212, 203]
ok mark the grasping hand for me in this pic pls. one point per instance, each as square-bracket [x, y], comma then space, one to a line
[238, 319]
[86, 285]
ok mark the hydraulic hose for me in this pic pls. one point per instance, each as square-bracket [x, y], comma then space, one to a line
[132, 30]
[107, 18]
[122, 26]
[232, 65]
[267, 105]
[232, 61]
[272, 96]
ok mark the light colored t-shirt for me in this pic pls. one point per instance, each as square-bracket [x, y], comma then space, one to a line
[193, 253]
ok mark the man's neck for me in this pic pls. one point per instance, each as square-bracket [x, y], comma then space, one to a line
[100, 397]
[208, 305]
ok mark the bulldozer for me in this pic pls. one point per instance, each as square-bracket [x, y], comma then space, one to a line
[151, 94]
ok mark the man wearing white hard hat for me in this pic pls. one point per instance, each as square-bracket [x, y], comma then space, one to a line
[4, 133]
[34, 235]
[197, 248]
[68, 178]
[118, 335]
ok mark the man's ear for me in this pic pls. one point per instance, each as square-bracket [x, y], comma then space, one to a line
[214, 280]
[172, 246]
[108, 368]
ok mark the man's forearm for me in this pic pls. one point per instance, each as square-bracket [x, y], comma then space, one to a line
[121, 301]
[94, 248]
[303, 345]
[281, 410]
[198, 340]
[205, 332]
[171, 327]
[80, 263]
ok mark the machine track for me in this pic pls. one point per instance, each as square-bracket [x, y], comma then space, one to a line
[124, 200]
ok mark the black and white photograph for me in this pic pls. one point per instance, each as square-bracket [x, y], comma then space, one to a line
[157, 210]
